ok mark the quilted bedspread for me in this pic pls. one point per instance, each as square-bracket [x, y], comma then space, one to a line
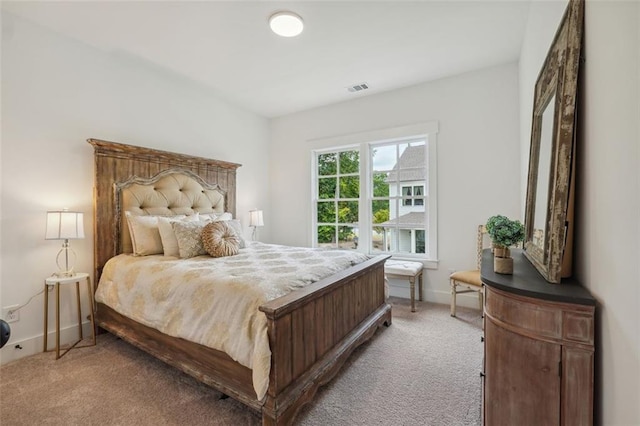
[214, 301]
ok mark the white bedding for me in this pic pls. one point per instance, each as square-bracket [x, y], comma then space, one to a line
[214, 301]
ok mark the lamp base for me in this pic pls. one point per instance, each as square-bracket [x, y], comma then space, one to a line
[69, 261]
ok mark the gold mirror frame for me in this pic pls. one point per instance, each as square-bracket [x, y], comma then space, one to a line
[547, 249]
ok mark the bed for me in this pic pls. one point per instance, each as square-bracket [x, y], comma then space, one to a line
[311, 331]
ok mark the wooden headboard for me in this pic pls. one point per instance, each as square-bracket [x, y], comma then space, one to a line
[116, 163]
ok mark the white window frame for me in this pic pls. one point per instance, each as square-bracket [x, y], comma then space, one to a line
[314, 190]
[427, 131]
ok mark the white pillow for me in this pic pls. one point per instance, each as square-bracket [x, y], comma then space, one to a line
[145, 237]
[168, 236]
[216, 217]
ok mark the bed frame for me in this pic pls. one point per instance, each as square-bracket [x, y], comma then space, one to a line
[312, 331]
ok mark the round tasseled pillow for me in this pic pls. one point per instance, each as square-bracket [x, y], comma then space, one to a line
[219, 239]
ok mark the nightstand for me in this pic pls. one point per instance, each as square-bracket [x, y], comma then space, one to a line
[56, 282]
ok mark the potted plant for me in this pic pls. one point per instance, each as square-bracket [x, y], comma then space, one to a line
[504, 233]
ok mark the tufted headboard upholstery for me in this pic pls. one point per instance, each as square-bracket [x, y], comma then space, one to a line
[150, 181]
[170, 192]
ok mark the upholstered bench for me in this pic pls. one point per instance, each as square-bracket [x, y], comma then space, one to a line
[406, 269]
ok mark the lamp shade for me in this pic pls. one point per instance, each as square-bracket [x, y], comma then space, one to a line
[64, 225]
[255, 218]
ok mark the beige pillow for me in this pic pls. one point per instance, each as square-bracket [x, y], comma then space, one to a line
[168, 236]
[219, 239]
[145, 237]
[189, 236]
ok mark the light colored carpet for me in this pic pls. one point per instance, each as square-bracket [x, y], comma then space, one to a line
[423, 370]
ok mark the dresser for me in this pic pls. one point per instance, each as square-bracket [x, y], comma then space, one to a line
[538, 348]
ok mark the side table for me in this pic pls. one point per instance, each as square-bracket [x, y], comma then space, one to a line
[56, 282]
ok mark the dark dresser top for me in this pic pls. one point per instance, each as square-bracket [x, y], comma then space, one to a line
[527, 281]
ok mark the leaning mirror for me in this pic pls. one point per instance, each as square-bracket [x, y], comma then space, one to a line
[549, 202]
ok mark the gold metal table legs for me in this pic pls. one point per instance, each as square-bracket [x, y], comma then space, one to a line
[56, 282]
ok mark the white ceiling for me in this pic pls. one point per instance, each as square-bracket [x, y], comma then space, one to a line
[227, 45]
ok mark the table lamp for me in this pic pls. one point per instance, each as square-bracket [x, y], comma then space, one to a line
[65, 225]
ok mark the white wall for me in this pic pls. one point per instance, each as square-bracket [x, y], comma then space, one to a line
[56, 93]
[608, 197]
[478, 159]
[607, 252]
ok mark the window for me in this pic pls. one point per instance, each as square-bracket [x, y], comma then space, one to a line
[398, 211]
[406, 192]
[338, 204]
[417, 190]
[377, 195]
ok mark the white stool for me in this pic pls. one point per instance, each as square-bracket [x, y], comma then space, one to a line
[406, 269]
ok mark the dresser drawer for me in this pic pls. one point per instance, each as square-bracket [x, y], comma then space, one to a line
[555, 321]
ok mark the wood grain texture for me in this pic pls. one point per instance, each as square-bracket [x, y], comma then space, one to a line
[538, 360]
[311, 331]
[116, 163]
[577, 381]
[522, 381]
[558, 77]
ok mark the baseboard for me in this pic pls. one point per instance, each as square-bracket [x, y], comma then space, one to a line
[16, 349]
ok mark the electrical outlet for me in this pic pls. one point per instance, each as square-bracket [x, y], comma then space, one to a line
[10, 314]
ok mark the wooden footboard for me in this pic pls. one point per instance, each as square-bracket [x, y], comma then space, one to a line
[312, 332]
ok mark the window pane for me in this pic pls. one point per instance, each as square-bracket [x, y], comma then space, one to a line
[347, 212]
[326, 212]
[420, 241]
[379, 239]
[327, 164]
[384, 158]
[404, 240]
[406, 192]
[389, 240]
[349, 162]
[326, 235]
[349, 187]
[327, 188]
[380, 185]
[380, 211]
[347, 237]
[418, 191]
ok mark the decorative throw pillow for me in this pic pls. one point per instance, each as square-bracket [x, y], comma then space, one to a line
[219, 239]
[168, 236]
[189, 237]
[145, 237]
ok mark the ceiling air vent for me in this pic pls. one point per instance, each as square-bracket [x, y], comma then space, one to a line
[358, 87]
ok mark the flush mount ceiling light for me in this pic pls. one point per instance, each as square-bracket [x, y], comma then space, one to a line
[286, 24]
